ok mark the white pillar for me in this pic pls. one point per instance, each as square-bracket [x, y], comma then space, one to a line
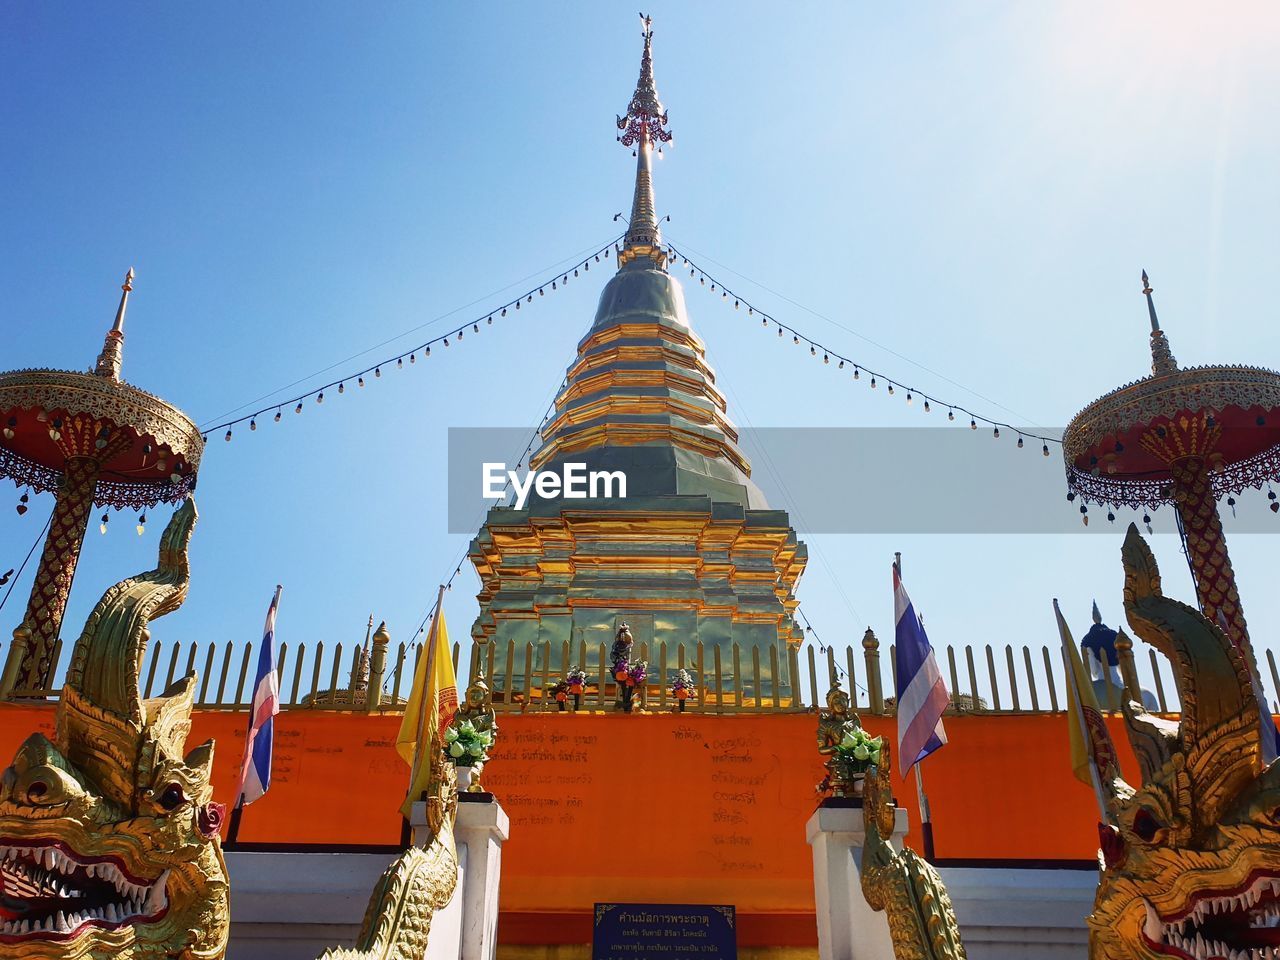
[480, 828]
[444, 942]
[848, 929]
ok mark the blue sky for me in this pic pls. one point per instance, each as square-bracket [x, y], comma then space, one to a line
[955, 195]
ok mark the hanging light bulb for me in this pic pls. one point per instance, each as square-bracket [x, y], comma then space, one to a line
[891, 388]
[1019, 441]
[504, 311]
[735, 304]
[142, 524]
[102, 527]
[873, 383]
[1045, 449]
[228, 436]
[813, 351]
[377, 371]
[926, 406]
[298, 408]
[253, 424]
[764, 321]
[825, 358]
[342, 388]
[517, 304]
[951, 414]
[426, 352]
[460, 333]
[908, 398]
[22, 504]
[779, 331]
[8, 430]
[413, 358]
[840, 366]
[856, 373]
[277, 414]
[320, 397]
[996, 433]
[399, 363]
[541, 293]
[973, 424]
[796, 339]
[475, 328]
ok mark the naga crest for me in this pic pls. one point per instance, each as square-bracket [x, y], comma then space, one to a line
[1191, 860]
[109, 840]
[922, 921]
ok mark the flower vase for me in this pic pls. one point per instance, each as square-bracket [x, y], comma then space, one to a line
[859, 783]
[464, 778]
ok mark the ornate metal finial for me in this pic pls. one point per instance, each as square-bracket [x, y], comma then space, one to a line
[111, 358]
[643, 127]
[1097, 616]
[1162, 360]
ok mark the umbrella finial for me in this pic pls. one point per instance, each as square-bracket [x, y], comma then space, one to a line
[1162, 359]
[111, 358]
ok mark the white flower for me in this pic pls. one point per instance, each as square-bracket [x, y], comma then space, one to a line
[455, 750]
[861, 752]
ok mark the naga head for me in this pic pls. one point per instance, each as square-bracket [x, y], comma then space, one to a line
[109, 841]
[1191, 860]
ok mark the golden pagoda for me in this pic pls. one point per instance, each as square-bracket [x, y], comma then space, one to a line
[693, 553]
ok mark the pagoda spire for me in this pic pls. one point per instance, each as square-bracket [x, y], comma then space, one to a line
[644, 127]
[1162, 360]
[111, 358]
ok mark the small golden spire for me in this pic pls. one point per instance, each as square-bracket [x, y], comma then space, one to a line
[1162, 360]
[111, 358]
[644, 127]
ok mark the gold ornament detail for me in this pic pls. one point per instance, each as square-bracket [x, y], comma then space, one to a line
[833, 722]
[477, 707]
[922, 921]
[109, 842]
[1191, 860]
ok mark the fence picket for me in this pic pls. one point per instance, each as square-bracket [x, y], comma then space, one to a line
[1155, 672]
[222, 675]
[1013, 677]
[813, 678]
[299, 660]
[244, 670]
[151, 674]
[1031, 679]
[973, 679]
[1052, 684]
[991, 673]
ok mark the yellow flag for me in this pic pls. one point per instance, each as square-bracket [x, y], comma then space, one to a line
[1093, 755]
[431, 705]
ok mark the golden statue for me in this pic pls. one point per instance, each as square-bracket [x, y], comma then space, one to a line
[477, 708]
[1191, 859]
[111, 845]
[922, 922]
[833, 724]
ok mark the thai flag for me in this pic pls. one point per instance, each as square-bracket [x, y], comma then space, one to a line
[922, 696]
[255, 772]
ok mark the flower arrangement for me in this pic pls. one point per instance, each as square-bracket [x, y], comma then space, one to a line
[561, 692]
[682, 686]
[577, 681]
[465, 745]
[636, 673]
[858, 751]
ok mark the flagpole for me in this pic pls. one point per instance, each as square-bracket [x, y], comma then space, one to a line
[426, 677]
[926, 818]
[237, 811]
[1074, 681]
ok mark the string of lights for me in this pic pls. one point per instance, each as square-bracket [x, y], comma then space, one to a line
[859, 370]
[423, 350]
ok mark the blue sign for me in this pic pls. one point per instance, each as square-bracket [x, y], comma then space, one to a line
[664, 931]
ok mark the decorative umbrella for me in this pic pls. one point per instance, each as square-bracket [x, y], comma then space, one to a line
[95, 440]
[1185, 437]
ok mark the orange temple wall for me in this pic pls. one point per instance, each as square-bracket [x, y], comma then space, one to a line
[656, 807]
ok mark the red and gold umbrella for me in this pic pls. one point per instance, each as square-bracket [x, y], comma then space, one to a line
[1184, 437]
[93, 439]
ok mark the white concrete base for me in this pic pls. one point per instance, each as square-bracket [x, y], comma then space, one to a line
[481, 829]
[294, 906]
[848, 929]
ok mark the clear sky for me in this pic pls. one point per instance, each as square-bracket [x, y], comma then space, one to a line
[962, 196]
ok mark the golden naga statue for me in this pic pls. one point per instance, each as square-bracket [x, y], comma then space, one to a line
[1191, 860]
[419, 882]
[922, 921]
[109, 840]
